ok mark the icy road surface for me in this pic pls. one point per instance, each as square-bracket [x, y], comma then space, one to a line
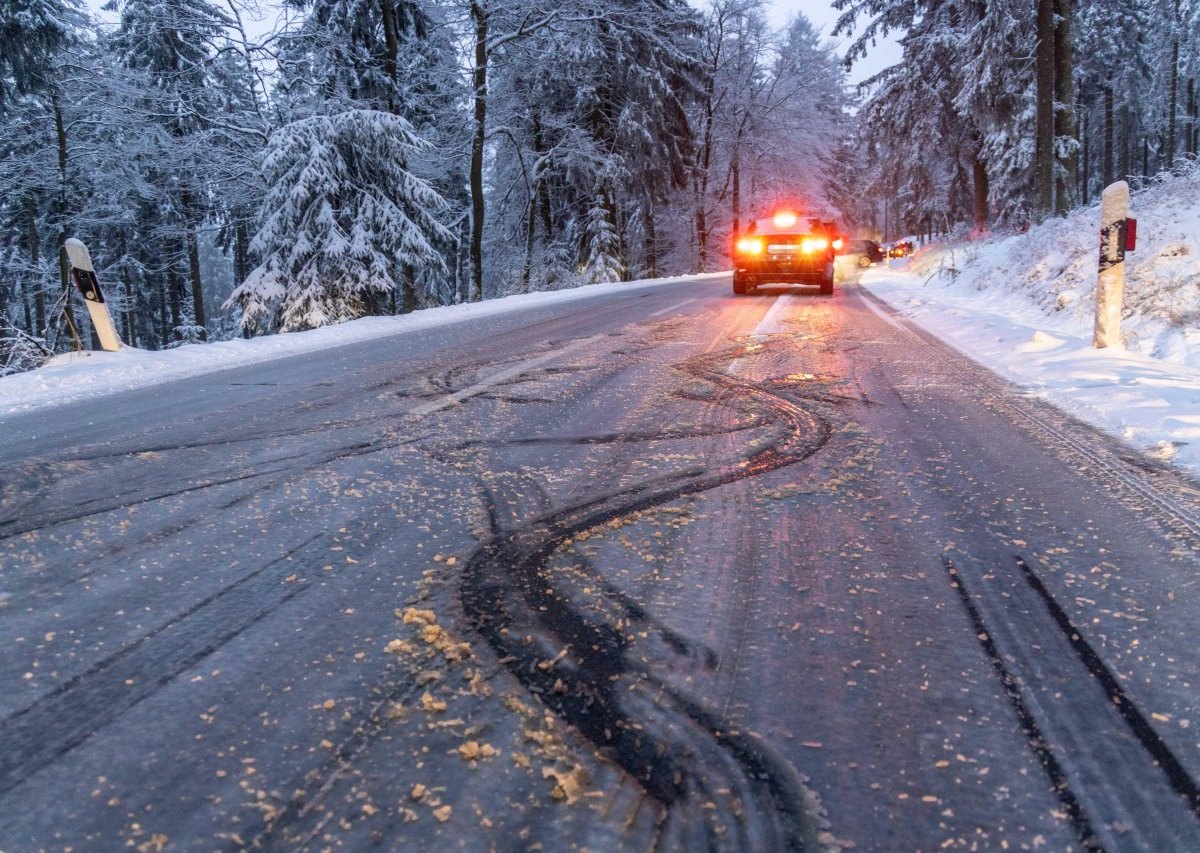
[664, 568]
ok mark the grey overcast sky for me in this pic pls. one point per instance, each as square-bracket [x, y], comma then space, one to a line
[824, 16]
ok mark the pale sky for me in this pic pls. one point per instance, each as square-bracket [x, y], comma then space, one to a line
[824, 17]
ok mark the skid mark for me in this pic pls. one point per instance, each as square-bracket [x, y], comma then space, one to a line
[719, 788]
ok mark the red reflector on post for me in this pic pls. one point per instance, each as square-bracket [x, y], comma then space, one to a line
[1130, 235]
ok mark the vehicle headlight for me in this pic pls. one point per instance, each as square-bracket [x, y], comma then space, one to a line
[749, 246]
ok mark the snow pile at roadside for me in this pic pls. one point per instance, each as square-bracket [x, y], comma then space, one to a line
[1054, 266]
[87, 375]
[1024, 306]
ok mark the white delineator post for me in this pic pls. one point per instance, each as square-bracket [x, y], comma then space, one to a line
[1110, 288]
[85, 279]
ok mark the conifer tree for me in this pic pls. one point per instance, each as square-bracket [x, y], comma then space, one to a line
[344, 224]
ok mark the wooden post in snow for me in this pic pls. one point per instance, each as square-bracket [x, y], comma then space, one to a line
[85, 279]
[1110, 288]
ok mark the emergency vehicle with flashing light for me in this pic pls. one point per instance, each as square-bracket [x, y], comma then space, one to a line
[785, 249]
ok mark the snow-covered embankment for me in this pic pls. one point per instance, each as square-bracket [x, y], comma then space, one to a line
[1023, 305]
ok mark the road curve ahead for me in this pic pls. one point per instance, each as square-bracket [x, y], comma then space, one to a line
[665, 568]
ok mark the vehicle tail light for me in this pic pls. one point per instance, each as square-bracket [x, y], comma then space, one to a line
[813, 244]
[749, 246]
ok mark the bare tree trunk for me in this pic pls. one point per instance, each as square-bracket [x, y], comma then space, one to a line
[127, 285]
[702, 188]
[1106, 173]
[1126, 170]
[1044, 130]
[982, 191]
[29, 327]
[651, 239]
[193, 252]
[174, 289]
[1191, 124]
[39, 293]
[64, 265]
[736, 170]
[241, 253]
[408, 284]
[480, 17]
[530, 228]
[164, 319]
[391, 47]
[187, 202]
[1064, 119]
[1085, 160]
[542, 187]
[1173, 100]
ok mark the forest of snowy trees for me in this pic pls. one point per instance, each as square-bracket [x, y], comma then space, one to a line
[242, 170]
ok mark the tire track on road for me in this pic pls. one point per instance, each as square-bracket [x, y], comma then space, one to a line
[685, 756]
[61, 720]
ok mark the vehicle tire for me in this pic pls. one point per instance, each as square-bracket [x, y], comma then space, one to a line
[827, 286]
[864, 262]
[739, 285]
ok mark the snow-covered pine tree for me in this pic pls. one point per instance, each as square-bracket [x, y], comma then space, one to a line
[32, 33]
[34, 36]
[363, 59]
[173, 42]
[344, 222]
[27, 172]
[592, 101]
[952, 120]
[602, 259]
[1115, 64]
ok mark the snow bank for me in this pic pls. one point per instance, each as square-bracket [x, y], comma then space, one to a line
[1024, 306]
[87, 375]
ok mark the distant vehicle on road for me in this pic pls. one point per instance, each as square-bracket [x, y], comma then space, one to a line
[864, 252]
[785, 249]
[901, 249]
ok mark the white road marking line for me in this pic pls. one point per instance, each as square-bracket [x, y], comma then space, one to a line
[671, 308]
[496, 378]
[770, 324]
[880, 313]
